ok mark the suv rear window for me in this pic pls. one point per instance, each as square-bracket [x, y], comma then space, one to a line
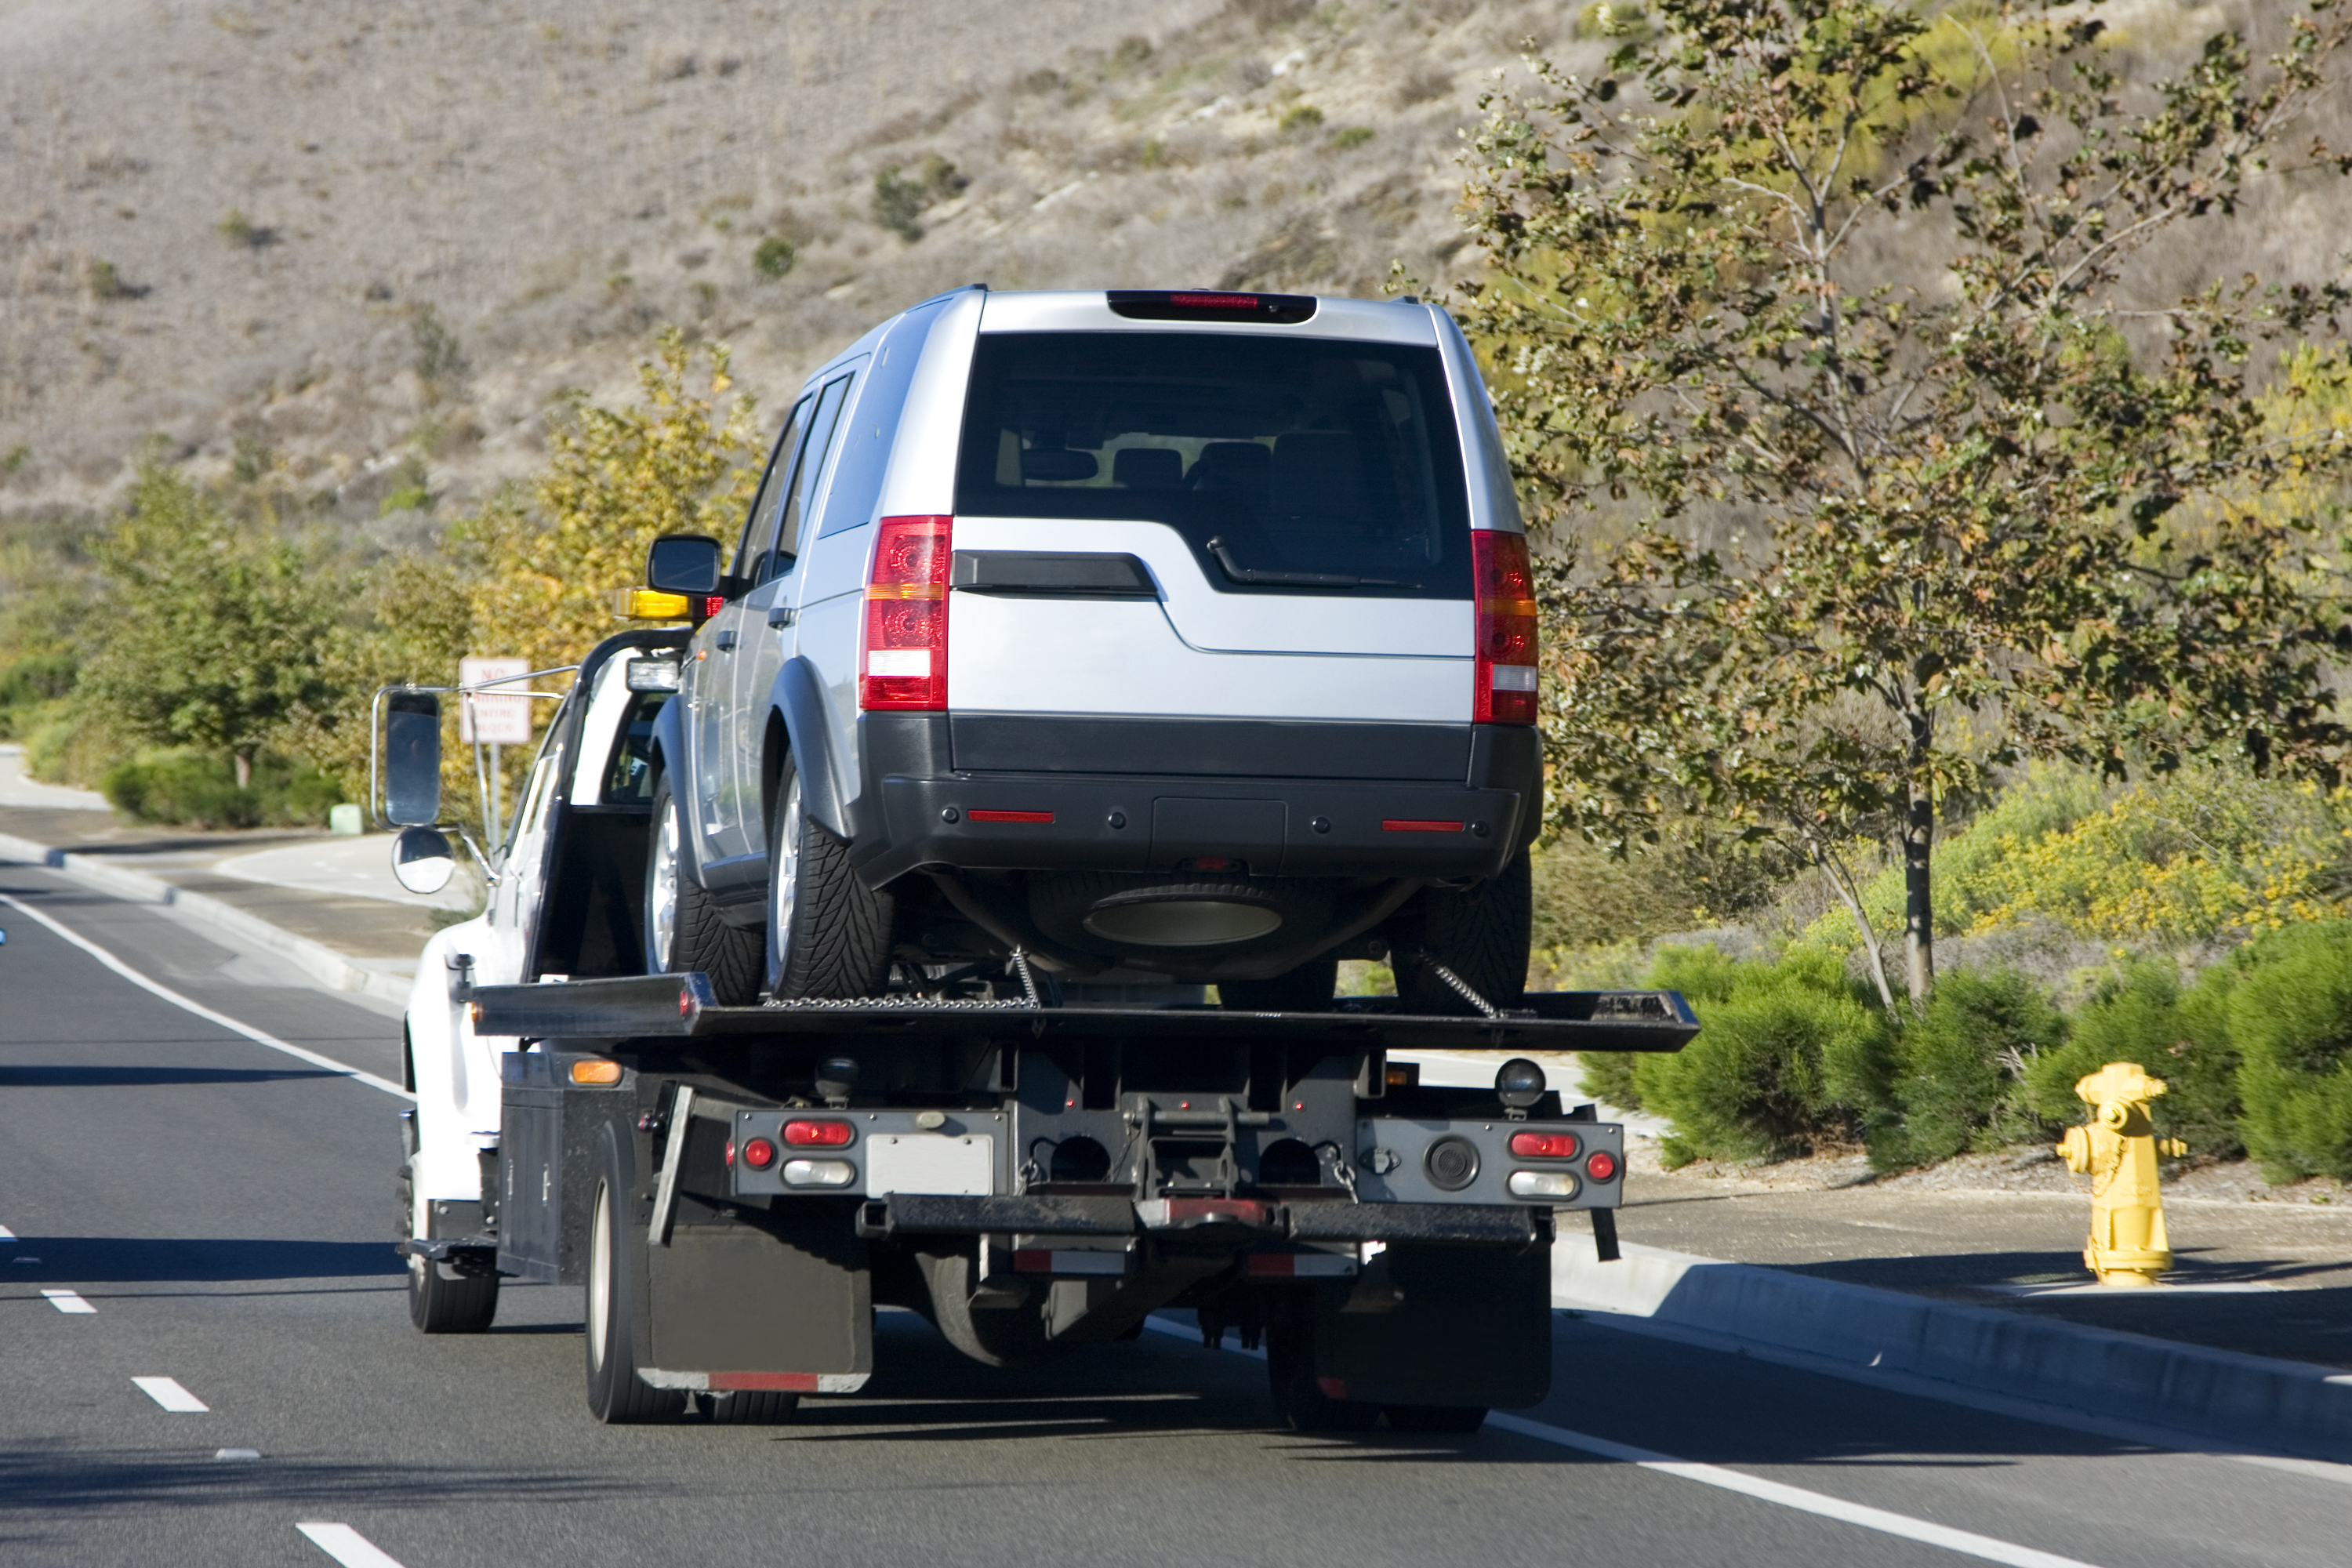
[1281, 460]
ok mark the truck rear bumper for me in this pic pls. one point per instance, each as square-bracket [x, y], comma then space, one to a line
[1463, 1224]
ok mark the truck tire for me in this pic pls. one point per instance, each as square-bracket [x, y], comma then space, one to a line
[439, 1303]
[1481, 933]
[828, 934]
[1447, 1420]
[683, 933]
[1299, 1399]
[616, 1395]
[1306, 989]
[1010, 1336]
[751, 1407]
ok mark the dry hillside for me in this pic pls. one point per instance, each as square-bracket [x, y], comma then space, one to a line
[364, 245]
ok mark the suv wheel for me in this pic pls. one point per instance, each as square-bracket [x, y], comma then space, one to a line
[683, 932]
[1481, 933]
[828, 934]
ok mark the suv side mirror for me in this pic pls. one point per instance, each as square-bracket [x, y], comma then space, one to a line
[412, 759]
[683, 563]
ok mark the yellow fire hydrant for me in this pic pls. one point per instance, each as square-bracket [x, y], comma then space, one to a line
[2118, 1148]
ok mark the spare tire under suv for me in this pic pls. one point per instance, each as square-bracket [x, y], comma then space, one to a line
[1167, 637]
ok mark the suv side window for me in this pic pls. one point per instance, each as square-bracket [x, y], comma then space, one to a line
[822, 427]
[759, 526]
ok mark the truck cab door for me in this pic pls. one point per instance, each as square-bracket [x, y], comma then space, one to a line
[770, 636]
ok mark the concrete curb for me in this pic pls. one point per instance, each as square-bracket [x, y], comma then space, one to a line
[2275, 1407]
[321, 962]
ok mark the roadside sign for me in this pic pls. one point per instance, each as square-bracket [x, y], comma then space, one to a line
[492, 719]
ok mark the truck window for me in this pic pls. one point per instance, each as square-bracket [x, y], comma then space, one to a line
[1292, 455]
[629, 781]
[760, 523]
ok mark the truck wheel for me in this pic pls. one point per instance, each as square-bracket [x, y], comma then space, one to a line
[1299, 1399]
[1481, 934]
[1437, 1419]
[753, 1408]
[683, 933]
[1306, 989]
[438, 1304]
[828, 934]
[616, 1395]
[1009, 1336]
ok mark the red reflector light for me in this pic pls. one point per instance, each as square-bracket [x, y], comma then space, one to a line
[759, 1154]
[1414, 824]
[1603, 1167]
[711, 605]
[1504, 692]
[817, 1135]
[1010, 816]
[902, 653]
[1544, 1146]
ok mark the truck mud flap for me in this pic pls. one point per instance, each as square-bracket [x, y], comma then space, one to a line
[737, 1307]
[1469, 1326]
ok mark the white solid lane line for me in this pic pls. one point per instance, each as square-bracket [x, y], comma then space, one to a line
[1797, 1498]
[199, 1009]
[167, 1393]
[7, 1235]
[348, 1546]
[69, 1301]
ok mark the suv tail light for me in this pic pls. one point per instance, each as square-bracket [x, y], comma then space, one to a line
[1507, 630]
[902, 657]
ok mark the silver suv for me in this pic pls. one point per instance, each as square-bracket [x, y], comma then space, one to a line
[1158, 638]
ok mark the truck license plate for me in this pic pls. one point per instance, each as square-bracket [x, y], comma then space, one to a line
[963, 1164]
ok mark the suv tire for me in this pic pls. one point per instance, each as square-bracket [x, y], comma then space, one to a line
[683, 933]
[828, 934]
[1481, 933]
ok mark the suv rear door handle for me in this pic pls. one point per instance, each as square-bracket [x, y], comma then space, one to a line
[780, 616]
[725, 639]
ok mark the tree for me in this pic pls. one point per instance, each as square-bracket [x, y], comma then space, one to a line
[1987, 506]
[209, 631]
[542, 564]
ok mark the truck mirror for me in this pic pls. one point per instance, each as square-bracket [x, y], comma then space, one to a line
[412, 759]
[422, 859]
[683, 563]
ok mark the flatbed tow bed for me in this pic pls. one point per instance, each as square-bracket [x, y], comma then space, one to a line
[739, 1186]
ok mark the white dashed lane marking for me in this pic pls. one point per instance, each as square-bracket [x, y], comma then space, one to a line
[69, 1301]
[167, 1393]
[7, 1235]
[348, 1546]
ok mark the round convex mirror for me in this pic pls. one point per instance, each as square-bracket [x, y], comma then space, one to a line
[422, 859]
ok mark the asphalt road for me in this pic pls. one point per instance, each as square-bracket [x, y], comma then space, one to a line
[224, 1210]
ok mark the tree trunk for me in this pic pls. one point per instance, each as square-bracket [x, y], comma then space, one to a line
[1842, 885]
[244, 770]
[1918, 845]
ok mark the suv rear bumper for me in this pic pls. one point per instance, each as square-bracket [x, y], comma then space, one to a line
[919, 810]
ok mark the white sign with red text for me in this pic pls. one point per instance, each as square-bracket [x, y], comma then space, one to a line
[492, 717]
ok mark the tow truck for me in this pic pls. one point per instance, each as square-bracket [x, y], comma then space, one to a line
[1034, 1165]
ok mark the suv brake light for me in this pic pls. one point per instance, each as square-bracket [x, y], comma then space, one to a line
[1209, 305]
[902, 656]
[1506, 673]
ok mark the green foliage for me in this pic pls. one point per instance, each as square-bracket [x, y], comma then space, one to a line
[1959, 1066]
[1621, 19]
[1987, 525]
[440, 363]
[1351, 136]
[774, 257]
[2291, 1019]
[1300, 116]
[208, 631]
[195, 789]
[1788, 1060]
[104, 280]
[900, 201]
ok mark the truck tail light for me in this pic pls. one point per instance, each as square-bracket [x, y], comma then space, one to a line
[902, 654]
[759, 1154]
[817, 1135]
[1603, 1167]
[1505, 672]
[1545, 1145]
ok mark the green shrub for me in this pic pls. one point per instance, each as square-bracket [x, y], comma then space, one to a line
[1957, 1067]
[195, 789]
[2291, 1019]
[1300, 117]
[1788, 1058]
[774, 257]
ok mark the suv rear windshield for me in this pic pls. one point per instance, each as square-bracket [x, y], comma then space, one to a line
[1289, 465]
